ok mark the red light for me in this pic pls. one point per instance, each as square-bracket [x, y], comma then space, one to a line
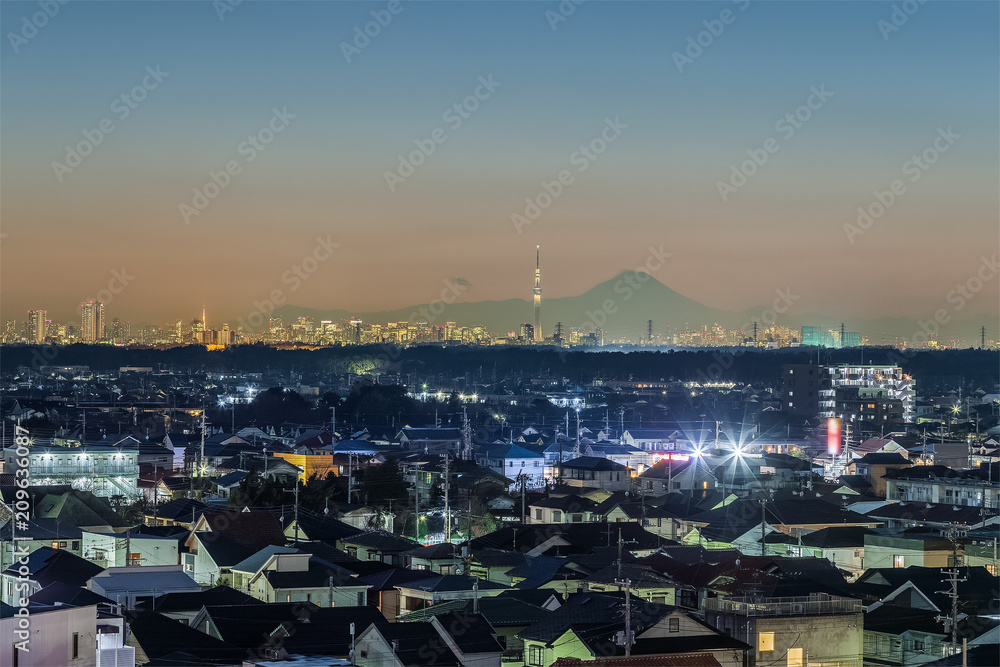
[833, 436]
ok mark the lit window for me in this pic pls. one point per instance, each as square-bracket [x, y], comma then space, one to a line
[765, 641]
[795, 657]
[897, 561]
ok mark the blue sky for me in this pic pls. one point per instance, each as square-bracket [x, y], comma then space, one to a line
[657, 185]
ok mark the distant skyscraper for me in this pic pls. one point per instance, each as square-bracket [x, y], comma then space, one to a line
[538, 297]
[36, 326]
[92, 321]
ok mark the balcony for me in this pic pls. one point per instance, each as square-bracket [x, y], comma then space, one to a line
[84, 470]
[794, 606]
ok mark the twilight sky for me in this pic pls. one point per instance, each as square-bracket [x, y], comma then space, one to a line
[609, 67]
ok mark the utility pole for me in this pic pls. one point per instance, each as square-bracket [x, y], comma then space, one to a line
[467, 436]
[521, 477]
[621, 543]
[350, 475]
[577, 452]
[296, 515]
[447, 504]
[763, 526]
[951, 621]
[416, 504]
[625, 638]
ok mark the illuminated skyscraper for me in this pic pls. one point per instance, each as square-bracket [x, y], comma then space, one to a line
[36, 326]
[92, 321]
[538, 297]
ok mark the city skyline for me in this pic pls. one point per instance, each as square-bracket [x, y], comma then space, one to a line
[674, 138]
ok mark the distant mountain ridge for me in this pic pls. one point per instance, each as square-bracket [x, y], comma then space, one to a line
[622, 306]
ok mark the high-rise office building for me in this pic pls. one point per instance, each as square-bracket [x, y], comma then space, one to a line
[92, 321]
[538, 297]
[36, 326]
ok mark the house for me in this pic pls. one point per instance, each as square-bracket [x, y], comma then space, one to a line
[315, 527]
[65, 634]
[279, 630]
[278, 574]
[979, 487]
[465, 641]
[906, 548]
[422, 593]
[184, 607]
[44, 567]
[844, 546]
[444, 558]
[160, 639]
[377, 545]
[874, 467]
[431, 440]
[82, 509]
[670, 475]
[564, 509]
[129, 585]
[646, 584]
[117, 550]
[652, 439]
[36, 534]
[512, 460]
[383, 591]
[819, 628]
[617, 507]
[179, 512]
[587, 626]
[221, 539]
[916, 587]
[105, 471]
[507, 615]
[909, 637]
[589, 472]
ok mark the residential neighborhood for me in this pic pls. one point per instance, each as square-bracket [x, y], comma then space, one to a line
[299, 531]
